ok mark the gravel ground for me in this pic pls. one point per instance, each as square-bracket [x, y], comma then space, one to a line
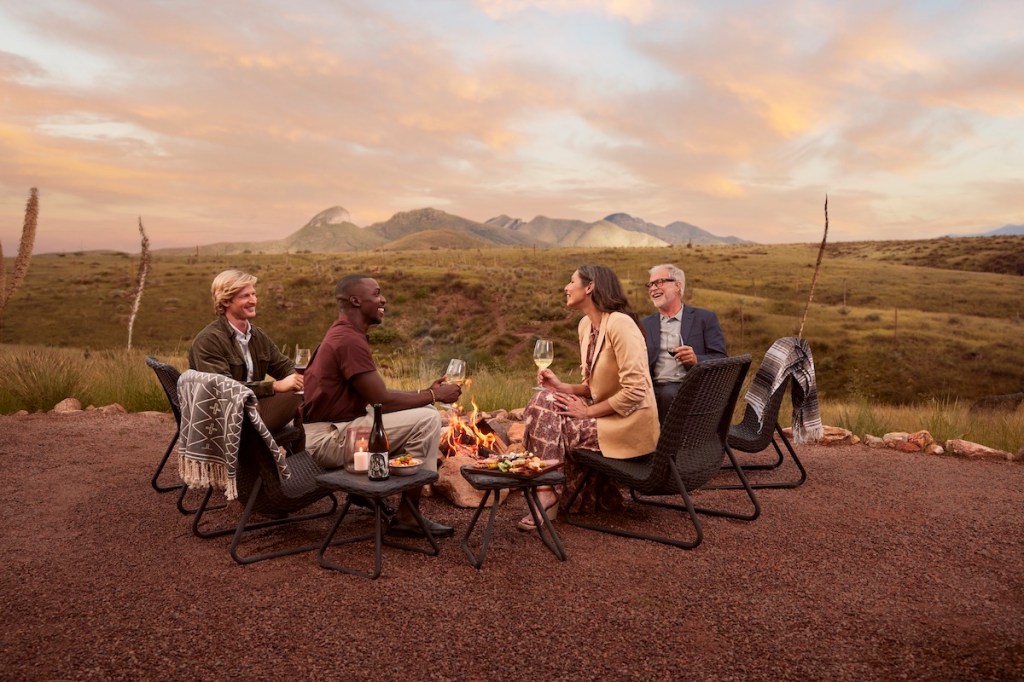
[883, 565]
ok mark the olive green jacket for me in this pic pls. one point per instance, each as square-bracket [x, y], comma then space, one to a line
[215, 350]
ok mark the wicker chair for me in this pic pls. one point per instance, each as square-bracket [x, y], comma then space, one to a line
[261, 491]
[168, 377]
[689, 452]
[753, 435]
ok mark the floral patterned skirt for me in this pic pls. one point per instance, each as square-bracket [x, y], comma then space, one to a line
[550, 435]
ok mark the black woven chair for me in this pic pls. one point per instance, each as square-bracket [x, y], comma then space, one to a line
[690, 451]
[753, 436]
[261, 491]
[168, 377]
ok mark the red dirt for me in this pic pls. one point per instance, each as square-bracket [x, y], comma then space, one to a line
[882, 565]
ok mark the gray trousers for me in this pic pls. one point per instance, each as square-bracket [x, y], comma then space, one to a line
[416, 432]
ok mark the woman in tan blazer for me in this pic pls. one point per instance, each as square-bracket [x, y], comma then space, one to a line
[614, 409]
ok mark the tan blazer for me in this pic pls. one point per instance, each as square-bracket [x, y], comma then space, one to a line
[619, 374]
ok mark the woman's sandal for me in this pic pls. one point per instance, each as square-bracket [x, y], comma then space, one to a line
[526, 523]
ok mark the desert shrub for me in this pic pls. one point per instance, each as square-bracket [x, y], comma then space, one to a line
[872, 317]
[39, 379]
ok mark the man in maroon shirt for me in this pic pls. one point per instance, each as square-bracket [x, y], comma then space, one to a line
[342, 381]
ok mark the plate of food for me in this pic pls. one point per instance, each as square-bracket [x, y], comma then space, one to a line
[515, 464]
[406, 465]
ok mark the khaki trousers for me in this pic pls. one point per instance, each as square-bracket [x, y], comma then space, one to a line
[415, 432]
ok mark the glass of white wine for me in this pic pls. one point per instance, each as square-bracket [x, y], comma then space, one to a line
[543, 356]
[455, 374]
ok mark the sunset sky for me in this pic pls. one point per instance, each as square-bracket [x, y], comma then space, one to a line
[240, 120]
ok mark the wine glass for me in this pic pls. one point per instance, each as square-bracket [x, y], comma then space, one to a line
[543, 356]
[301, 361]
[455, 374]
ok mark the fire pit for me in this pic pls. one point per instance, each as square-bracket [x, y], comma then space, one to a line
[469, 435]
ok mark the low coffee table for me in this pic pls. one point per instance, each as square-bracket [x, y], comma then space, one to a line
[375, 492]
[490, 482]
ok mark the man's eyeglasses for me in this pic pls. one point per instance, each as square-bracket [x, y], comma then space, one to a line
[659, 282]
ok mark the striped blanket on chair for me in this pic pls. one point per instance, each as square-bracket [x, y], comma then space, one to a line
[212, 410]
[789, 358]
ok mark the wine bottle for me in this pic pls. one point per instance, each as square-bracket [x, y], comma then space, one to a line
[379, 468]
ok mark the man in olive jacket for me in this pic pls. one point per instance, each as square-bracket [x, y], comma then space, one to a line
[232, 346]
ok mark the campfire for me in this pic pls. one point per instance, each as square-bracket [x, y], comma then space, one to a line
[469, 435]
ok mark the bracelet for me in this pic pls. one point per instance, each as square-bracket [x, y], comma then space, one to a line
[433, 398]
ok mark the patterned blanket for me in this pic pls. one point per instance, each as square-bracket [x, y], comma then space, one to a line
[212, 409]
[789, 357]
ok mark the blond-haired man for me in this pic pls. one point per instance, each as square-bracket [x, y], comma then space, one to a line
[232, 346]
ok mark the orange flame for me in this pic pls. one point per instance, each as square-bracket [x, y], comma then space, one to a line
[462, 432]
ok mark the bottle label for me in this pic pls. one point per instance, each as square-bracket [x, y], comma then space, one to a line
[378, 469]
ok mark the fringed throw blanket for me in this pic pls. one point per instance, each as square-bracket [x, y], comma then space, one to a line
[212, 409]
[789, 357]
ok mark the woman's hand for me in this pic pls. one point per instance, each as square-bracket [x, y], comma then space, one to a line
[571, 405]
[548, 380]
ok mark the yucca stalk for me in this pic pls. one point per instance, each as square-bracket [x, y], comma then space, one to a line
[140, 281]
[817, 268]
[28, 239]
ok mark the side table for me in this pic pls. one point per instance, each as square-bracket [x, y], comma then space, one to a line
[375, 492]
[481, 479]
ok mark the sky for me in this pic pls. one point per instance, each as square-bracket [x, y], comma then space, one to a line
[242, 119]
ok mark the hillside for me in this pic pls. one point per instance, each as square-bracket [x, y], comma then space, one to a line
[882, 329]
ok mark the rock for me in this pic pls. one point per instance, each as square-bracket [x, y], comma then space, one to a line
[21, 413]
[517, 414]
[451, 485]
[873, 441]
[830, 435]
[906, 446]
[500, 427]
[68, 405]
[934, 448]
[1019, 456]
[516, 432]
[965, 448]
[920, 438]
[113, 408]
[499, 414]
[895, 437]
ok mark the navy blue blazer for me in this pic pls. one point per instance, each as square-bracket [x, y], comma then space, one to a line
[699, 329]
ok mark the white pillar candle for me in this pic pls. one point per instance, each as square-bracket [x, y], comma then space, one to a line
[361, 462]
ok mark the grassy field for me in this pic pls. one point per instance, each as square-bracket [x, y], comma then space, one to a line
[892, 324]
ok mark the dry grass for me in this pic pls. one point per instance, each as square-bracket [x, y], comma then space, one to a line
[24, 257]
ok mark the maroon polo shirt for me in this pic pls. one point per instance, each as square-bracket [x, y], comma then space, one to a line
[330, 395]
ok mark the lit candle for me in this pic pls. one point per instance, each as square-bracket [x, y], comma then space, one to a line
[361, 461]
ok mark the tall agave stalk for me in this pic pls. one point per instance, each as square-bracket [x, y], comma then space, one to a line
[817, 268]
[28, 239]
[140, 281]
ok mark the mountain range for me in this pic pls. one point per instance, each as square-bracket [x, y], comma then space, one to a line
[332, 231]
[1004, 231]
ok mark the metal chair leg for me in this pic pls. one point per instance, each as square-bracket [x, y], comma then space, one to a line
[687, 506]
[160, 467]
[768, 484]
[745, 485]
